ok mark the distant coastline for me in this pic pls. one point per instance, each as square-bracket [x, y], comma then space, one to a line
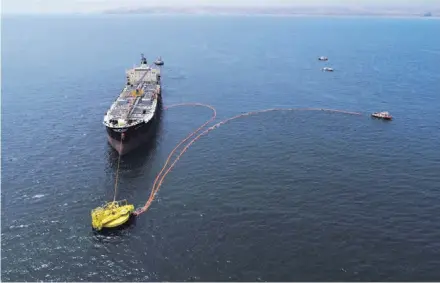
[282, 11]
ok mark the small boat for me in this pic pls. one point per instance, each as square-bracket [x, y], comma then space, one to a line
[159, 61]
[111, 214]
[323, 58]
[327, 69]
[382, 115]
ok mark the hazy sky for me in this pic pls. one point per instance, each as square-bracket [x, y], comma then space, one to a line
[63, 6]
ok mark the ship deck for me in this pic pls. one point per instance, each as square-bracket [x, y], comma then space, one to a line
[135, 107]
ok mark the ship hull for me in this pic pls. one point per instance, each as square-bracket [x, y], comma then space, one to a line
[381, 117]
[125, 140]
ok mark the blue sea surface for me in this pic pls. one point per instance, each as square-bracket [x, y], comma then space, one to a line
[278, 196]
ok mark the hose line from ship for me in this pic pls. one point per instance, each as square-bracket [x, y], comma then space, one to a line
[115, 213]
[157, 185]
[117, 170]
[161, 176]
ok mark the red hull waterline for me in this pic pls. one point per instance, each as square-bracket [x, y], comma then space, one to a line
[126, 146]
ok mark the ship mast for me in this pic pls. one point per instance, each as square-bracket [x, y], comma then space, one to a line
[143, 59]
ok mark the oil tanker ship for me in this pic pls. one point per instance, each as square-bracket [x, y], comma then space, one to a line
[130, 117]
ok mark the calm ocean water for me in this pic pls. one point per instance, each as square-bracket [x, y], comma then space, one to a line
[274, 197]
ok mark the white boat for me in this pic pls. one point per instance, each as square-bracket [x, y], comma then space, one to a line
[159, 61]
[382, 115]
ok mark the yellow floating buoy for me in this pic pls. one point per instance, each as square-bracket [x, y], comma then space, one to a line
[111, 214]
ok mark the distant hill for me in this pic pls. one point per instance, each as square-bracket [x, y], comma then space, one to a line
[336, 11]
